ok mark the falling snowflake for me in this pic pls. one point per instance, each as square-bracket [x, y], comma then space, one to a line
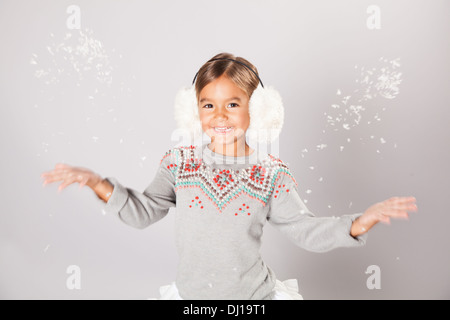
[80, 54]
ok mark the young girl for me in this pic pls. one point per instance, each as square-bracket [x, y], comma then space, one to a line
[224, 192]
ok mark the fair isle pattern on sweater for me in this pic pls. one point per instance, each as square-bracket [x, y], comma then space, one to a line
[221, 186]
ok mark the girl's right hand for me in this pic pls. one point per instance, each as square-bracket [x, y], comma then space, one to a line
[68, 175]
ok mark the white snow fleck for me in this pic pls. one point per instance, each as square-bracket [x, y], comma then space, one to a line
[50, 50]
[345, 99]
[82, 53]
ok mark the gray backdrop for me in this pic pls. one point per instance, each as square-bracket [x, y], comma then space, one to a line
[365, 86]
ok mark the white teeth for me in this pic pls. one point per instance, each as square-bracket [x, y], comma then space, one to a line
[222, 129]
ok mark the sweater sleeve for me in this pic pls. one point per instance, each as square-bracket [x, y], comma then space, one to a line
[289, 214]
[141, 209]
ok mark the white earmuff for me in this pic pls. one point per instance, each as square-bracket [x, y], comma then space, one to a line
[186, 113]
[266, 115]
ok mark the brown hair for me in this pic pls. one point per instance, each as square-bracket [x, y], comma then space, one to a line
[236, 72]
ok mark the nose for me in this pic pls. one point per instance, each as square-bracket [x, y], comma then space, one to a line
[220, 114]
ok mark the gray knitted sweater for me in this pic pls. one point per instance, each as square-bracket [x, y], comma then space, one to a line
[222, 204]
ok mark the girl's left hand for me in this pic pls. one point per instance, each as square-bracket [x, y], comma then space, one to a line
[395, 207]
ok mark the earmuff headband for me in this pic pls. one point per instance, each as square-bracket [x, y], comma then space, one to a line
[237, 62]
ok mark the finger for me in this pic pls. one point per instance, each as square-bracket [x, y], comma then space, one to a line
[404, 207]
[58, 176]
[395, 213]
[61, 168]
[53, 173]
[396, 207]
[67, 182]
[50, 174]
[399, 214]
[54, 178]
[407, 200]
[47, 174]
[389, 211]
[400, 200]
[410, 207]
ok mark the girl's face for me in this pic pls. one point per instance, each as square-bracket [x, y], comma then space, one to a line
[222, 104]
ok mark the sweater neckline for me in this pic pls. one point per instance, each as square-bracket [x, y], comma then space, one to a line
[224, 159]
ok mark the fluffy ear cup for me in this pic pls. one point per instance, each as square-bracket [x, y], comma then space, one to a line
[186, 113]
[266, 112]
[266, 115]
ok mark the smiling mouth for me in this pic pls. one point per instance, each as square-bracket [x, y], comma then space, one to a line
[222, 130]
